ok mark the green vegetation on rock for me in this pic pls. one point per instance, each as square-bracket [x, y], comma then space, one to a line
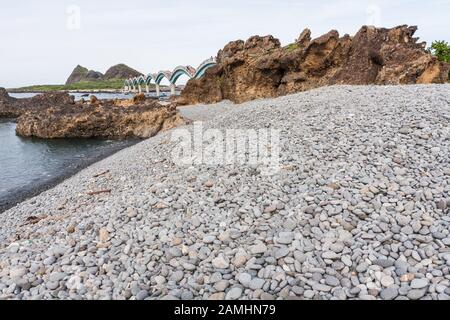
[292, 47]
[441, 49]
[84, 85]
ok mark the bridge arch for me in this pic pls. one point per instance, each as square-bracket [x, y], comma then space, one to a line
[141, 80]
[149, 79]
[182, 70]
[172, 77]
[205, 65]
[161, 75]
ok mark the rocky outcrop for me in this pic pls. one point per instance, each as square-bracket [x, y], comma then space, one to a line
[83, 74]
[121, 71]
[8, 105]
[57, 115]
[14, 108]
[77, 74]
[4, 96]
[97, 118]
[260, 67]
[93, 76]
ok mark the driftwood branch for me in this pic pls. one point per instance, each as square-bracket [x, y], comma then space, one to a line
[101, 174]
[93, 193]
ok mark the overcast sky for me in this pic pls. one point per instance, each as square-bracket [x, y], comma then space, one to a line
[42, 41]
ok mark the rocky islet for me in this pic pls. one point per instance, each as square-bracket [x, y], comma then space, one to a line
[119, 71]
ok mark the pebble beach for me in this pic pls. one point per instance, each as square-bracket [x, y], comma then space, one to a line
[360, 209]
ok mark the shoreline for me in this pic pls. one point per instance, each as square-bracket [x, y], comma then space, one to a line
[93, 91]
[19, 195]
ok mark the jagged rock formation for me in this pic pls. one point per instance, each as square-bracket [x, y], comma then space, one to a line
[8, 105]
[121, 71]
[82, 74]
[260, 67]
[103, 118]
[4, 96]
[57, 115]
[77, 74]
[93, 76]
[13, 108]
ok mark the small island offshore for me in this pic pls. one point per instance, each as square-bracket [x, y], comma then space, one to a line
[83, 79]
[315, 170]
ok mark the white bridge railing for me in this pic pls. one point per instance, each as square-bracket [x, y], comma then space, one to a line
[135, 84]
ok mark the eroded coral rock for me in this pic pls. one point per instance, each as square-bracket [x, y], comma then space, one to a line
[57, 115]
[260, 67]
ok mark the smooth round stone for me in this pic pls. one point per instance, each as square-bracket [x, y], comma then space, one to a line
[160, 280]
[233, 294]
[175, 252]
[221, 285]
[384, 263]
[187, 295]
[442, 205]
[52, 285]
[389, 294]
[239, 261]
[362, 267]
[257, 283]
[332, 281]
[285, 238]
[298, 290]
[266, 296]
[419, 283]
[347, 261]
[321, 287]
[282, 252]
[259, 248]
[416, 294]
[387, 281]
[50, 260]
[244, 279]
[337, 247]
[309, 294]
[177, 276]
[209, 239]
[217, 296]
[57, 276]
[215, 277]
[17, 272]
[221, 262]
[330, 255]
[142, 295]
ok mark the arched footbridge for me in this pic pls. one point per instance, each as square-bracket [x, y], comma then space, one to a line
[138, 83]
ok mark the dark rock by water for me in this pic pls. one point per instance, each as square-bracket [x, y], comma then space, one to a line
[13, 108]
[57, 115]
